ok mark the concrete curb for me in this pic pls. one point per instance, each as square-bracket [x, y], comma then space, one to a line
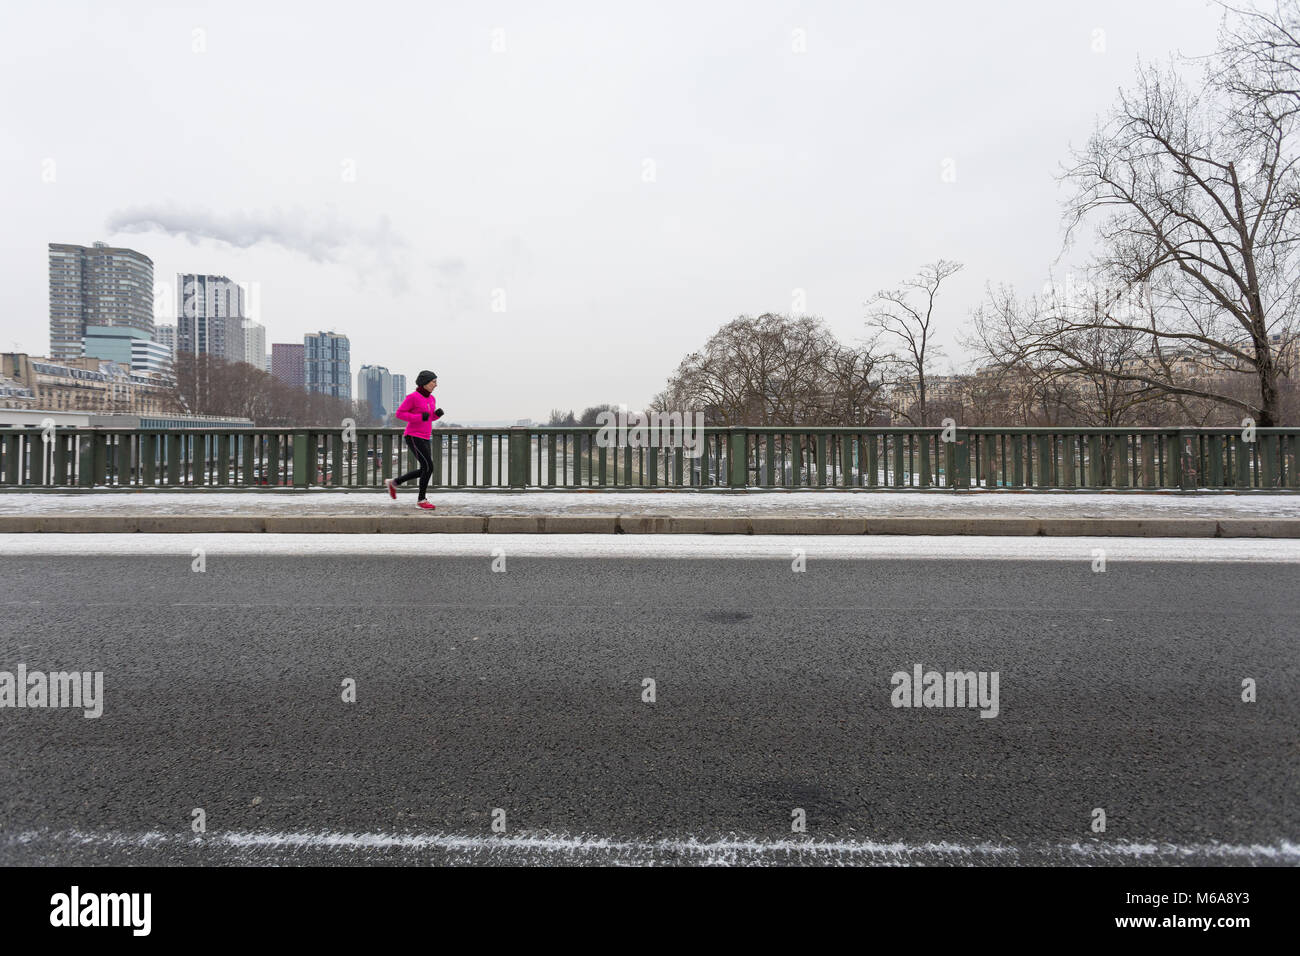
[1259, 527]
[652, 524]
[986, 526]
[578, 524]
[513, 524]
[433, 524]
[182, 524]
[1130, 527]
[323, 524]
[807, 525]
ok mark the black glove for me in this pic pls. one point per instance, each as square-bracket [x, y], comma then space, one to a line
[439, 413]
[424, 417]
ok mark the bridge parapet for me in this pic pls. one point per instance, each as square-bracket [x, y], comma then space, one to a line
[719, 458]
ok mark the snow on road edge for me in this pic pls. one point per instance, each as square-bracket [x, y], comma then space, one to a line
[699, 546]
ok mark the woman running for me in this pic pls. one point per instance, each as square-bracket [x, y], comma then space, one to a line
[419, 410]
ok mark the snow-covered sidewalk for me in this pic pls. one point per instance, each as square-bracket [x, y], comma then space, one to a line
[811, 504]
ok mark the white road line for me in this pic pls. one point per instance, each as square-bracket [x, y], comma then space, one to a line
[544, 846]
[739, 547]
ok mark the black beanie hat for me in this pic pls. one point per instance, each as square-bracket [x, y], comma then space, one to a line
[425, 377]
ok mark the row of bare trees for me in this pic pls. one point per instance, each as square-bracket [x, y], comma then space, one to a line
[1187, 309]
[206, 385]
[774, 370]
[1189, 192]
[588, 417]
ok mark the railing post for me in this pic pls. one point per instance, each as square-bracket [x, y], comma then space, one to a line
[1043, 474]
[517, 457]
[302, 459]
[173, 459]
[436, 457]
[248, 460]
[101, 459]
[1244, 451]
[223, 458]
[336, 460]
[1185, 460]
[123, 464]
[148, 459]
[1119, 460]
[86, 460]
[1269, 461]
[1096, 473]
[1216, 461]
[272, 471]
[738, 472]
[12, 447]
[957, 463]
[49, 454]
[63, 451]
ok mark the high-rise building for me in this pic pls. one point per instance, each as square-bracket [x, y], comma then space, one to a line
[128, 347]
[328, 364]
[152, 357]
[112, 343]
[165, 335]
[375, 385]
[99, 285]
[399, 390]
[210, 316]
[255, 344]
[288, 362]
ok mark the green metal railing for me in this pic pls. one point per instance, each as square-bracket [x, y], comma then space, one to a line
[868, 458]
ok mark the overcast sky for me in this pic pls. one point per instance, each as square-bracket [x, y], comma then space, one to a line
[551, 203]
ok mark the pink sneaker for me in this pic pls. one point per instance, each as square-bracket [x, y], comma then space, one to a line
[426, 505]
[392, 488]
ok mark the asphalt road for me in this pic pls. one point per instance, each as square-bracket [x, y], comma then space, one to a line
[523, 691]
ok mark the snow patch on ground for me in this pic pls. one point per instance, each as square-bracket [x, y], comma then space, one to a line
[738, 547]
[561, 847]
[849, 504]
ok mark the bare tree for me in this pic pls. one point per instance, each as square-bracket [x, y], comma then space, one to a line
[1193, 198]
[1259, 55]
[776, 370]
[904, 318]
[206, 385]
[1084, 374]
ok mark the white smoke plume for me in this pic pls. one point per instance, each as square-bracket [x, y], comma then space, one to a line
[321, 237]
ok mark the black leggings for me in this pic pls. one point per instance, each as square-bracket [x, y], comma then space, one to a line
[423, 453]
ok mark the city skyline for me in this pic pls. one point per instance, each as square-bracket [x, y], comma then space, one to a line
[527, 204]
[99, 308]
